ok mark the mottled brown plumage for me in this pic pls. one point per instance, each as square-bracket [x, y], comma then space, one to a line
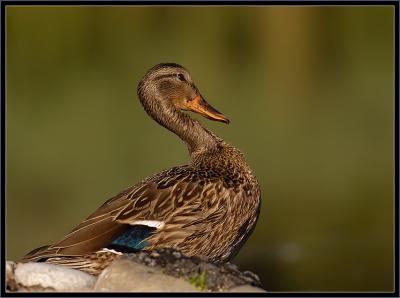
[208, 207]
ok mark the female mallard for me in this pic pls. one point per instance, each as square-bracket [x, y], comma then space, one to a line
[208, 207]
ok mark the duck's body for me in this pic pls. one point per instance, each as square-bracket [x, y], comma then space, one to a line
[207, 208]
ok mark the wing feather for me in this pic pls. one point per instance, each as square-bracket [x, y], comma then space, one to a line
[153, 199]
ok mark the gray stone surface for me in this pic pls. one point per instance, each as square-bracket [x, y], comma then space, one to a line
[162, 270]
[127, 276]
[246, 289]
[10, 280]
[207, 276]
[49, 276]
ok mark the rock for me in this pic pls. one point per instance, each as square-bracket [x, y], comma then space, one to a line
[197, 270]
[43, 276]
[127, 276]
[11, 284]
[246, 289]
[161, 270]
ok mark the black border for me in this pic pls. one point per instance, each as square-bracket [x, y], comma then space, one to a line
[197, 2]
[4, 4]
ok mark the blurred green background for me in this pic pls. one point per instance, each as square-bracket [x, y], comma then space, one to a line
[309, 91]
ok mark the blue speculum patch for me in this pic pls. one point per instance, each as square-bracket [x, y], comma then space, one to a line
[134, 237]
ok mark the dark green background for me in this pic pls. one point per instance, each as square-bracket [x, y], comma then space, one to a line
[309, 91]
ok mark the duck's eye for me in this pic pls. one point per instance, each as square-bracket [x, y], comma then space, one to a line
[181, 77]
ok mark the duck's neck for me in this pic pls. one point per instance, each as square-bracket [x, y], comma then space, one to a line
[197, 138]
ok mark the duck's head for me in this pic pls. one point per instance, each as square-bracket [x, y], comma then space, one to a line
[169, 85]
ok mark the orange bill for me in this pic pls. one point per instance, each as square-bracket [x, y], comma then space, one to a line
[200, 106]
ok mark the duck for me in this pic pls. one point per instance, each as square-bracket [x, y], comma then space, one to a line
[208, 207]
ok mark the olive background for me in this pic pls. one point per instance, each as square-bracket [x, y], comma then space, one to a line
[309, 91]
